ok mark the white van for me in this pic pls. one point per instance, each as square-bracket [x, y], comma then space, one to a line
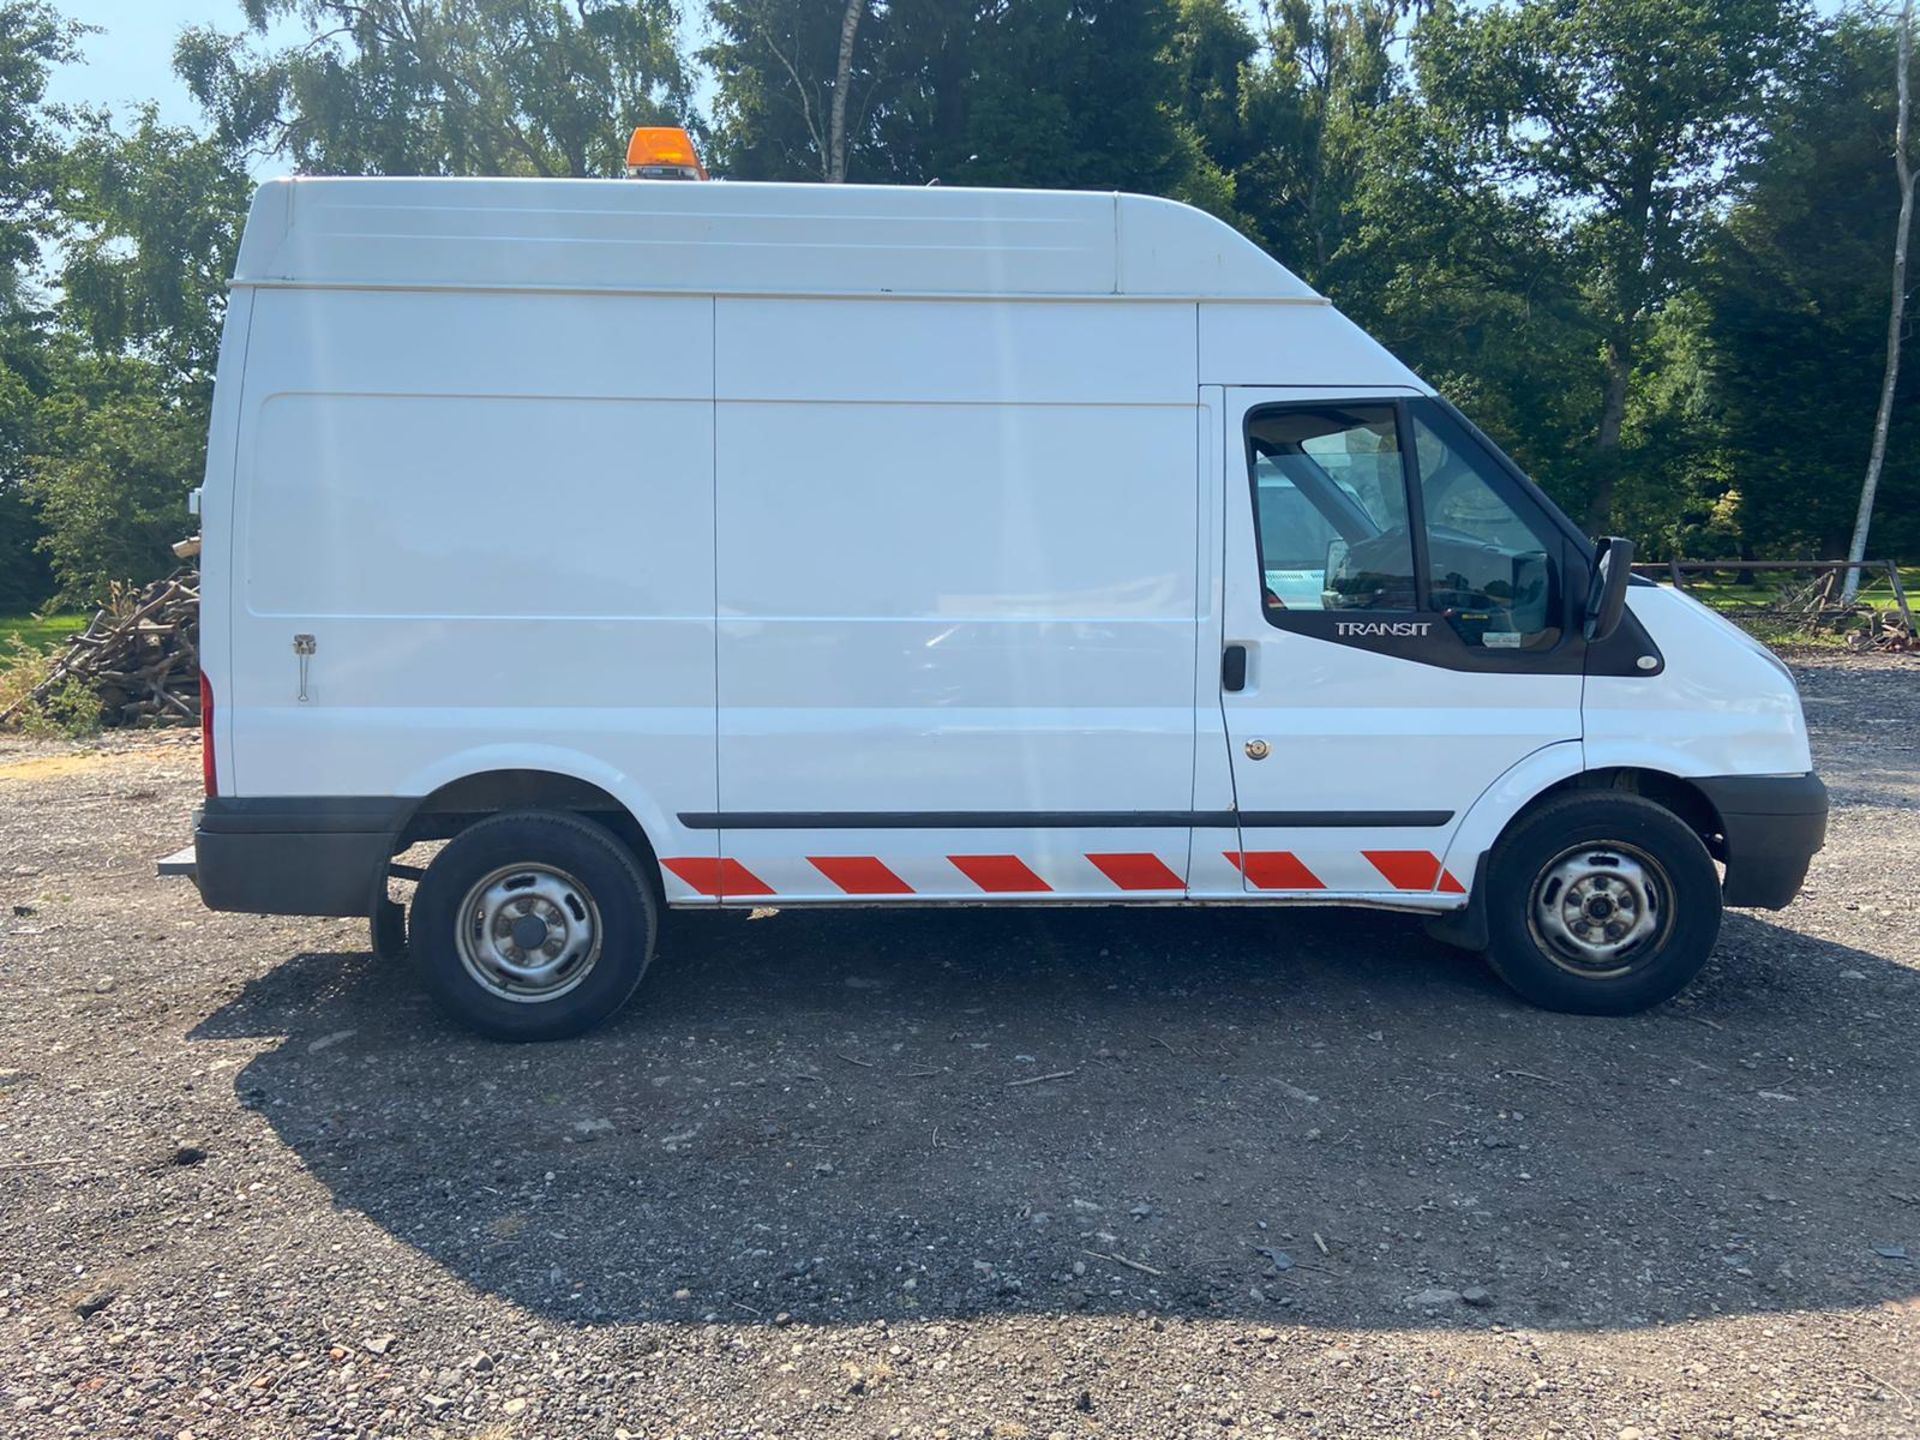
[739, 545]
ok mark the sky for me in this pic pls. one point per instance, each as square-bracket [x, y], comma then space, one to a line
[132, 59]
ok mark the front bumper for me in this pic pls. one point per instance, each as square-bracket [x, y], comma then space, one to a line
[323, 855]
[1773, 826]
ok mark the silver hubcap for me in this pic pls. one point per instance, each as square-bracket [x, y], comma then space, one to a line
[1597, 908]
[529, 933]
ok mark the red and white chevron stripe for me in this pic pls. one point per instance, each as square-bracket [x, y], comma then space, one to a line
[868, 876]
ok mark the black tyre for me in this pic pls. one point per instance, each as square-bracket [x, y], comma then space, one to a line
[1600, 903]
[533, 925]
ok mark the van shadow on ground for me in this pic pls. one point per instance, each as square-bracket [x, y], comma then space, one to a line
[1308, 1116]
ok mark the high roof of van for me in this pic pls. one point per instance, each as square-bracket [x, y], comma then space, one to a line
[730, 238]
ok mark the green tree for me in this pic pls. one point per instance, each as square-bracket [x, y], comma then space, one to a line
[1474, 284]
[1384, 202]
[1796, 286]
[118, 455]
[26, 580]
[963, 92]
[1680, 496]
[1904, 170]
[1309, 107]
[150, 226]
[33, 37]
[784, 69]
[454, 87]
[1212, 50]
[149, 222]
[1074, 96]
[1628, 116]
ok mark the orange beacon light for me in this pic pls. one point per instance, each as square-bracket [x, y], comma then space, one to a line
[663, 152]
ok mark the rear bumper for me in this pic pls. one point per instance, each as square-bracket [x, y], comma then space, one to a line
[301, 856]
[1774, 825]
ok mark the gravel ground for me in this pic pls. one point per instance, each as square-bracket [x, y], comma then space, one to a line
[956, 1173]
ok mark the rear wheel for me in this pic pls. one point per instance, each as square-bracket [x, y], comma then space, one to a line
[533, 925]
[1600, 904]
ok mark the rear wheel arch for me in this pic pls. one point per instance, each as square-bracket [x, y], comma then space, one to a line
[460, 804]
[464, 802]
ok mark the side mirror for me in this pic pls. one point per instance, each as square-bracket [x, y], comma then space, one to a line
[1607, 593]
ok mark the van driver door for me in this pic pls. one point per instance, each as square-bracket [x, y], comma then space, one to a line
[1397, 633]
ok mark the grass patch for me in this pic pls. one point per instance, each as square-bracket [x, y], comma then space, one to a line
[37, 633]
[28, 647]
[1721, 590]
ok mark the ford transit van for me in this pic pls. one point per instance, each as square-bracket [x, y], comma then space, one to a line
[694, 545]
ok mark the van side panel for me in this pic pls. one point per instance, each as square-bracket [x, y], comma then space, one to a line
[1251, 342]
[494, 516]
[957, 578]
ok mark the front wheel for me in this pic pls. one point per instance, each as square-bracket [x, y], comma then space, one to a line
[532, 925]
[1600, 904]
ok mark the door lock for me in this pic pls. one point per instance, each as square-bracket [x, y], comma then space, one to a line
[1258, 749]
[304, 646]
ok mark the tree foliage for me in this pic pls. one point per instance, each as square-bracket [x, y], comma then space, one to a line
[443, 87]
[781, 72]
[1643, 242]
[960, 92]
[1627, 117]
[149, 224]
[118, 457]
[1289, 109]
[1795, 290]
[33, 38]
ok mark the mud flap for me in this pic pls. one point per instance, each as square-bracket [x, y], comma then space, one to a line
[1466, 927]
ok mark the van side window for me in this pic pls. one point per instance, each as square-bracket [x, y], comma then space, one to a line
[1494, 571]
[1331, 509]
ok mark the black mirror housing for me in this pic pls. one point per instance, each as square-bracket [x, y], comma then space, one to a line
[1607, 591]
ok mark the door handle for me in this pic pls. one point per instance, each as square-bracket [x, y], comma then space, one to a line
[1233, 668]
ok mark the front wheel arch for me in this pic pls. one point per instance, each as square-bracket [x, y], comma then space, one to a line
[1466, 928]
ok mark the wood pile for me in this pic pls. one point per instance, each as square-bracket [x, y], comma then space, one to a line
[1886, 632]
[140, 656]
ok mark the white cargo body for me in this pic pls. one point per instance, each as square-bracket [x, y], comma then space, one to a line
[830, 545]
